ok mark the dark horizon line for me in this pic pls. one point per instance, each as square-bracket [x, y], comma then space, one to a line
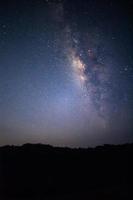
[67, 147]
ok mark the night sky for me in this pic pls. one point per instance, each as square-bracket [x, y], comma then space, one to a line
[66, 72]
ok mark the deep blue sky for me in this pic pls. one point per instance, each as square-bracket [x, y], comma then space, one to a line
[66, 72]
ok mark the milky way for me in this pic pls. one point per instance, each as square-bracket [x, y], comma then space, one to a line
[90, 75]
[67, 72]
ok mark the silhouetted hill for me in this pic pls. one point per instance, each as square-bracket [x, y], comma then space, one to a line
[36, 171]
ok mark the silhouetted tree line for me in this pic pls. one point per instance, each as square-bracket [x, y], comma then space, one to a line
[36, 170]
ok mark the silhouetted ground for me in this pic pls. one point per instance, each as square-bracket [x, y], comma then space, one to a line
[32, 172]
